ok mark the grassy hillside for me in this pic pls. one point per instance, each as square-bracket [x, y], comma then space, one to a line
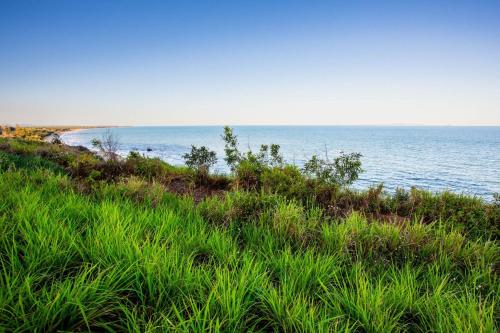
[138, 245]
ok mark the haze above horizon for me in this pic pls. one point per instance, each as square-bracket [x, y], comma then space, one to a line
[256, 63]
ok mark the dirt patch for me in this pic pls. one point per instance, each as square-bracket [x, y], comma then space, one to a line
[184, 186]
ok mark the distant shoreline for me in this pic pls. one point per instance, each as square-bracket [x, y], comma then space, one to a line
[81, 128]
[281, 125]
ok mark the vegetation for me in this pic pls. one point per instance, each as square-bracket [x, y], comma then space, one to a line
[201, 160]
[91, 244]
[31, 133]
[108, 145]
[342, 171]
[233, 155]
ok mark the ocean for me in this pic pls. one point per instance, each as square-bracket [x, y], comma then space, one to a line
[459, 159]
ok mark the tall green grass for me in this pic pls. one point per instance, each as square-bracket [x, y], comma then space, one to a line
[129, 258]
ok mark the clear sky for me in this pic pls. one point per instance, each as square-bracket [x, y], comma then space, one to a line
[254, 62]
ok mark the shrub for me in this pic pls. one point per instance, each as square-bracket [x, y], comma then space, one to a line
[342, 171]
[250, 166]
[401, 202]
[112, 170]
[201, 160]
[83, 165]
[248, 173]
[370, 201]
[276, 157]
[287, 181]
[108, 145]
[149, 168]
[466, 213]
[268, 155]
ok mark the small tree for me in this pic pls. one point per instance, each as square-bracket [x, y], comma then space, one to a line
[260, 158]
[233, 155]
[108, 145]
[276, 157]
[342, 171]
[200, 159]
[314, 168]
[347, 168]
[268, 156]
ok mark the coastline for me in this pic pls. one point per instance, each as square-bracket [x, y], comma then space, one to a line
[69, 129]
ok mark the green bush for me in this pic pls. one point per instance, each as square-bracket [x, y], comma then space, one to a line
[267, 166]
[82, 165]
[200, 160]
[249, 167]
[149, 168]
[461, 211]
[248, 174]
[401, 202]
[342, 171]
[287, 181]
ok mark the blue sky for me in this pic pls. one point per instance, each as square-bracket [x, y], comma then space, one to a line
[254, 62]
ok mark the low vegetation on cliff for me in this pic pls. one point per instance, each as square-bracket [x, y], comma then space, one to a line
[97, 243]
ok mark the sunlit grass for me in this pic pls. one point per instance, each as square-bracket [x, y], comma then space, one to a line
[129, 257]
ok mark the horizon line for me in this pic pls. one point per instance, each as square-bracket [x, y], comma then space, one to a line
[249, 125]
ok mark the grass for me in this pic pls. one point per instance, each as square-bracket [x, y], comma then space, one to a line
[129, 255]
[106, 261]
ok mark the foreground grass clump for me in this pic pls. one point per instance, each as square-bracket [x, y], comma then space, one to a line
[130, 256]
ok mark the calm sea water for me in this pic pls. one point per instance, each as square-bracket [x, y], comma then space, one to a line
[460, 159]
